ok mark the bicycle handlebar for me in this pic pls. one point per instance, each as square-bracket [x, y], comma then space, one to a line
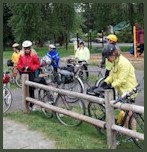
[127, 95]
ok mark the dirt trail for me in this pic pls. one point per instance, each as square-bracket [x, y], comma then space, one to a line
[18, 136]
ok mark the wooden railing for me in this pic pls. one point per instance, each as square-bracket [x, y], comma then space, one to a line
[108, 100]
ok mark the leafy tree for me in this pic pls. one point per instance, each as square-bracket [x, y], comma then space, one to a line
[7, 33]
[26, 21]
[63, 18]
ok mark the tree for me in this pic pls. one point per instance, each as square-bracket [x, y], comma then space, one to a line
[26, 21]
[63, 18]
[7, 33]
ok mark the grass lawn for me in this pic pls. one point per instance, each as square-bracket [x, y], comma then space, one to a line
[62, 51]
[84, 136]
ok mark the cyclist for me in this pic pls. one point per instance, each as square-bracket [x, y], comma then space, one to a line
[28, 63]
[16, 53]
[83, 54]
[54, 55]
[122, 75]
[112, 39]
[15, 57]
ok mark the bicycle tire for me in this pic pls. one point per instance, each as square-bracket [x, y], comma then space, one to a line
[46, 97]
[75, 86]
[7, 99]
[99, 82]
[139, 128]
[77, 107]
[97, 111]
[18, 80]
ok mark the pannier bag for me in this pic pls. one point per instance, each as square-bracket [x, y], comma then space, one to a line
[6, 78]
[9, 63]
[93, 91]
[64, 77]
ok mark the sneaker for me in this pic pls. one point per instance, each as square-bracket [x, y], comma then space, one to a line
[33, 108]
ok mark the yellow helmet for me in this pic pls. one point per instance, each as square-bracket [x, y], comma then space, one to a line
[112, 37]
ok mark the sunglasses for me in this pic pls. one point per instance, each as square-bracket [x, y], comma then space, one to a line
[27, 48]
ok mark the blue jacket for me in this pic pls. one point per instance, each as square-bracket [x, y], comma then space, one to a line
[54, 55]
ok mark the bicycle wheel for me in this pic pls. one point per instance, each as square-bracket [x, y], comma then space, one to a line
[18, 80]
[99, 82]
[139, 119]
[46, 97]
[97, 111]
[7, 99]
[77, 107]
[75, 86]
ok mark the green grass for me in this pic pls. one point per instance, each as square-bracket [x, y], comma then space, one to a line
[62, 51]
[84, 136]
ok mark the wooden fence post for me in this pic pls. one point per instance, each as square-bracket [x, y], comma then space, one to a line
[110, 120]
[25, 92]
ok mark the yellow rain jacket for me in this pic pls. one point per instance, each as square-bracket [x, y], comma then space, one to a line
[108, 65]
[83, 54]
[15, 57]
[122, 76]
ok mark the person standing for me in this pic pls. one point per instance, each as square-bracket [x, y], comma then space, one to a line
[112, 39]
[54, 55]
[15, 57]
[83, 54]
[28, 63]
[16, 53]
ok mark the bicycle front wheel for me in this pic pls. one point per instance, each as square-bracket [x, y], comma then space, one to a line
[99, 82]
[18, 80]
[7, 99]
[137, 120]
[77, 107]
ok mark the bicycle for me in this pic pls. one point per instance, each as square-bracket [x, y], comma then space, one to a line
[61, 101]
[68, 80]
[98, 111]
[15, 77]
[7, 95]
[81, 72]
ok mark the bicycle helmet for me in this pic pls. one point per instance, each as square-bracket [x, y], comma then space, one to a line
[47, 60]
[108, 50]
[112, 37]
[27, 43]
[15, 45]
[52, 46]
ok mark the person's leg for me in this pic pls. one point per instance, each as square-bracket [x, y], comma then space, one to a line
[86, 69]
[107, 73]
[31, 89]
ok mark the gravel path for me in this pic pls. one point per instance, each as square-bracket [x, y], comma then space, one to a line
[18, 136]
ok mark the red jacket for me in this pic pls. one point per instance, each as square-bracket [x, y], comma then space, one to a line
[30, 60]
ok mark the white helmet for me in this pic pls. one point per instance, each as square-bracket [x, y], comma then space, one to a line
[52, 46]
[27, 43]
[47, 60]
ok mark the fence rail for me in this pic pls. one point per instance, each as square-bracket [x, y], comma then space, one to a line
[108, 100]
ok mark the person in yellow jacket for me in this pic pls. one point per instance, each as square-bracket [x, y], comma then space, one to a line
[112, 39]
[83, 54]
[15, 57]
[122, 75]
[16, 53]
